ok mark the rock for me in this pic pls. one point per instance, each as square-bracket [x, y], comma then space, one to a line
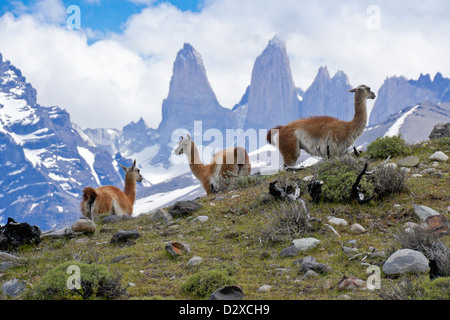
[410, 161]
[438, 224]
[352, 283]
[309, 259]
[337, 221]
[416, 175]
[176, 248]
[305, 243]
[439, 156]
[349, 251]
[15, 234]
[13, 287]
[84, 225]
[357, 229]
[184, 208]
[311, 274]
[7, 264]
[159, 215]
[423, 212]
[265, 288]
[119, 258]
[440, 130]
[125, 237]
[410, 225]
[233, 292]
[115, 218]
[406, 170]
[437, 174]
[406, 261]
[290, 251]
[201, 219]
[390, 165]
[314, 266]
[194, 261]
[429, 170]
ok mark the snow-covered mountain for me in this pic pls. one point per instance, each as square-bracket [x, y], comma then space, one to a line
[44, 162]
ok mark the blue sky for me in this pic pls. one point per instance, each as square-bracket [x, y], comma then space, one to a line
[103, 15]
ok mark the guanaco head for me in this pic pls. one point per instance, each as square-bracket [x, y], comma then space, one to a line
[133, 171]
[184, 145]
[364, 92]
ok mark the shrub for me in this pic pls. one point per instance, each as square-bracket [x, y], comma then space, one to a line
[96, 282]
[338, 176]
[388, 146]
[388, 180]
[286, 222]
[422, 289]
[204, 283]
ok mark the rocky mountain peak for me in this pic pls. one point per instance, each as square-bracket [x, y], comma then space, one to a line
[272, 96]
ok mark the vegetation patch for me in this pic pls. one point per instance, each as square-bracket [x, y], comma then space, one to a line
[95, 282]
[388, 146]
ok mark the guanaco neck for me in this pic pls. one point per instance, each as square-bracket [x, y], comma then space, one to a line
[360, 119]
[195, 162]
[130, 187]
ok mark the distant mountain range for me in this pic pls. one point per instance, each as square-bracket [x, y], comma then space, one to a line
[46, 161]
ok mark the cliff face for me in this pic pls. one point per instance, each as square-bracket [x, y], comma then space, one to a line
[398, 93]
[328, 97]
[272, 97]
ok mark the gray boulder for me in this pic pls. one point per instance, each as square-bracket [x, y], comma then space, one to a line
[13, 287]
[406, 261]
[410, 161]
[423, 212]
[125, 237]
[440, 130]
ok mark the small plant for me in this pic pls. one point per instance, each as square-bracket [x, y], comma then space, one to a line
[388, 146]
[421, 289]
[204, 283]
[95, 282]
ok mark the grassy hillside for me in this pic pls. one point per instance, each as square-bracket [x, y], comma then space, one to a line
[241, 241]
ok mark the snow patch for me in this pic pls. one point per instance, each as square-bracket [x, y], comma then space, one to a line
[89, 157]
[394, 130]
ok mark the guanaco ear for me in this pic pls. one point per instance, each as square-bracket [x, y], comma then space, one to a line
[123, 168]
[134, 164]
[189, 136]
[181, 138]
[353, 90]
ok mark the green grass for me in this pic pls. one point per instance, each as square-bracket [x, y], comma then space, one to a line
[233, 237]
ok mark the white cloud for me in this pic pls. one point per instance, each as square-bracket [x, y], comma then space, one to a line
[125, 76]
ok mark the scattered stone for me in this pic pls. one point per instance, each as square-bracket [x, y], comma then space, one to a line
[161, 215]
[311, 274]
[305, 244]
[344, 297]
[176, 248]
[194, 261]
[265, 288]
[234, 196]
[290, 251]
[437, 174]
[390, 165]
[84, 225]
[7, 264]
[406, 261]
[351, 283]
[309, 259]
[416, 175]
[337, 221]
[201, 219]
[410, 225]
[115, 218]
[406, 170]
[351, 243]
[308, 178]
[440, 130]
[65, 232]
[15, 234]
[357, 229]
[349, 251]
[423, 212]
[233, 292]
[184, 208]
[410, 161]
[428, 170]
[125, 237]
[13, 287]
[119, 258]
[438, 224]
[314, 266]
[439, 156]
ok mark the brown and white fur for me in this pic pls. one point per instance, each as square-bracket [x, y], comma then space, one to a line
[316, 135]
[110, 199]
[226, 163]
